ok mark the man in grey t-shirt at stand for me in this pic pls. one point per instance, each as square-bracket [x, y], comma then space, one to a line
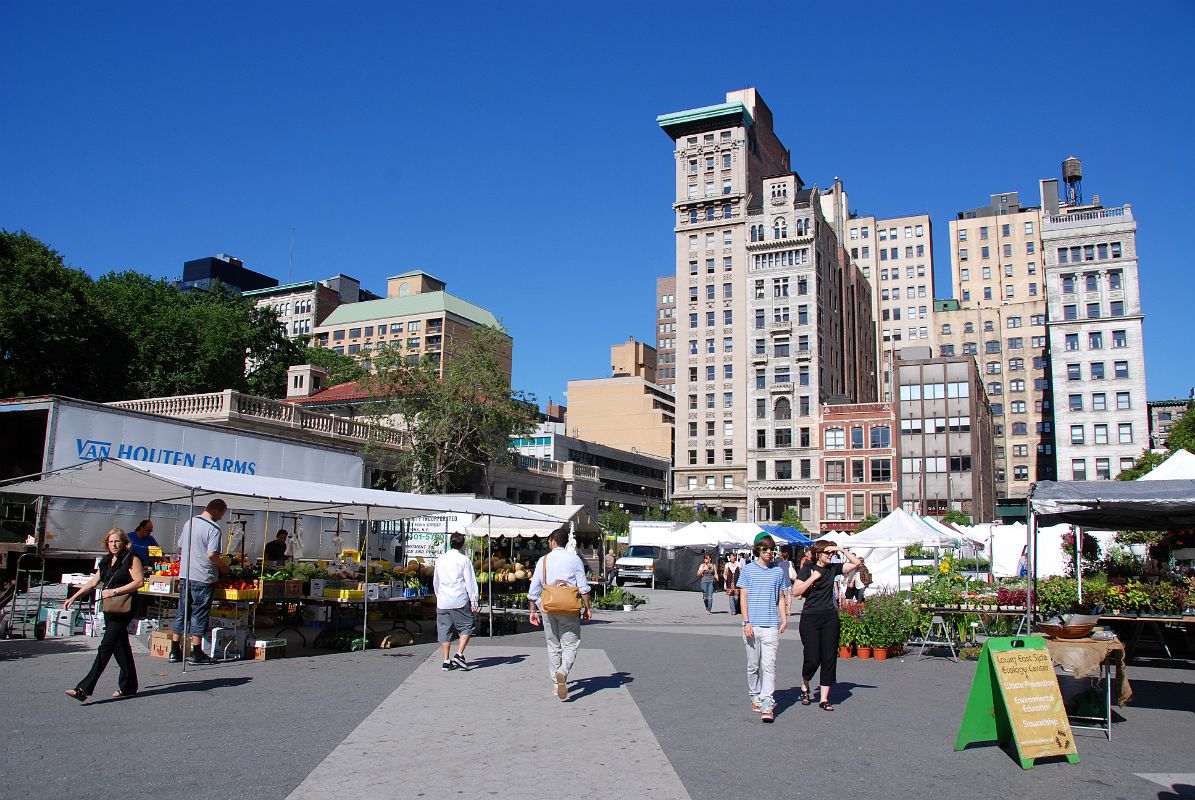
[201, 567]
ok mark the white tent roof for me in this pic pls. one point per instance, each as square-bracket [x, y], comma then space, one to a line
[1180, 466]
[702, 534]
[899, 529]
[136, 481]
[556, 517]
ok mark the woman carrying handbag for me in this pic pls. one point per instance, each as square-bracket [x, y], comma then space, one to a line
[120, 576]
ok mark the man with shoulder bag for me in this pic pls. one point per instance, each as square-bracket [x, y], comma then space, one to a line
[559, 590]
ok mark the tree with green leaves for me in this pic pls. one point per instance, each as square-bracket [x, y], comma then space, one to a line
[615, 519]
[682, 513]
[791, 518]
[866, 523]
[52, 340]
[340, 368]
[459, 419]
[1182, 433]
[1145, 463]
[956, 517]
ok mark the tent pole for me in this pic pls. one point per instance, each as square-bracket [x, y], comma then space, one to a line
[365, 607]
[185, 558]
[489, 537]
[1031, 571]
[1078, 534]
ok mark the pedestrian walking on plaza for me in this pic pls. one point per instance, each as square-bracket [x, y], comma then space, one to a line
[707, 573]
[202, 565]
[559, 568]
[761, 584]
[819, 617]
[610, 565]
[730, 579]
[455, 586]
[119, 575]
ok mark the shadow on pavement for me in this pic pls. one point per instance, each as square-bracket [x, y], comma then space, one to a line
[1181, 791]
[1163, 695]
[180, 686]
[15, 649]
[588, 686]
[840, 693]
[496, 661]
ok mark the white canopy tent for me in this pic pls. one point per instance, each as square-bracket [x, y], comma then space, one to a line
[120, 479]
[702, 534]
[576, 518]
[881, 544]
[1179, 467]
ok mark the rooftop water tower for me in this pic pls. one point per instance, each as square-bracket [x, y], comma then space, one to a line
[1072, 176]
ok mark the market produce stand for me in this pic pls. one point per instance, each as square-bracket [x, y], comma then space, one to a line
[141, 482]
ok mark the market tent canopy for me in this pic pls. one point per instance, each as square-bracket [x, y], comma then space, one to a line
[1161, 505]
[900, 529]
[701, 534]
[136, 481]
[1180, 466]
[786, 534]
[554, 517]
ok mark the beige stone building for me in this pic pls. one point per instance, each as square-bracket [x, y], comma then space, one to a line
[417, 316]
[1095, 329]
[666, 333]
[626, 411]
[761, 286]
[998, 316]
[896, 255]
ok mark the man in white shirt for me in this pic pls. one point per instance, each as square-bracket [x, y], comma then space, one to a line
[563, 631]
[455, 585]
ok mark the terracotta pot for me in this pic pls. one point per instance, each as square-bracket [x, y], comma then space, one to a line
[880, 653]
[864, 652]
[844, 652]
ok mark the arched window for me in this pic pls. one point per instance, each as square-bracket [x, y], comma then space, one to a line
[753, 233]
[784, 409]
[780, 228]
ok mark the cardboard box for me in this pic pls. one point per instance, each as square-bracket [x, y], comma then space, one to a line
[161, 584]
[269, 649]
[159, 644]
[272, 590]
[64, 622]
[377, 591]
[316, 587]
[75, 578]
[292, 589]
[225, 643]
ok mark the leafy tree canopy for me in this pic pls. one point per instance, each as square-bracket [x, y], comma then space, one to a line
[791, 518]
[341, 368]
[956, 517]
[1144, 463]
[459, 422]
[615, 519]
[866, 523]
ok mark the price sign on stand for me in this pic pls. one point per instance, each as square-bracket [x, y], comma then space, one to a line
[1015, 699]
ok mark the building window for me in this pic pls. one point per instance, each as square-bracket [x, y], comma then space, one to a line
[1121, 369]
[836, 438]
[1116, 308]
[1123, 403]
[1126, 432]
[1099, 401]
[1078, 469]
[1076, 434]
[835, 472]
[1097, 370]
[1100, 433]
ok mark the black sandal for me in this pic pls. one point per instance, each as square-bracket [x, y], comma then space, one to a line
[77, 694]
[804, 697]
[825, 705]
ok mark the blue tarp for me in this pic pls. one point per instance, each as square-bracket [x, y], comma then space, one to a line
[787, 535]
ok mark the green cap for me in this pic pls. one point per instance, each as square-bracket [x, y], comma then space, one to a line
[763, 535]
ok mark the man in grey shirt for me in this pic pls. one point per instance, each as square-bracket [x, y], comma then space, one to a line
[202, 565]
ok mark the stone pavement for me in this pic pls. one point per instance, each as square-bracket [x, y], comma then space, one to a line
[658, 709]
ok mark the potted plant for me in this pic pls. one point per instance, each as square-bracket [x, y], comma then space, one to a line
[848, 633]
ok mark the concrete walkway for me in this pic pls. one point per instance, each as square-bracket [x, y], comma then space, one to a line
[501, 726]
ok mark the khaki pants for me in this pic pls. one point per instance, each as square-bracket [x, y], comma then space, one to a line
[563, 632]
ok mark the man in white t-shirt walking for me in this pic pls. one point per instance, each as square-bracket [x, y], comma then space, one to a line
[455, 585]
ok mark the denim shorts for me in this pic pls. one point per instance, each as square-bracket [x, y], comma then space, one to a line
[200, 606]
[449, 618]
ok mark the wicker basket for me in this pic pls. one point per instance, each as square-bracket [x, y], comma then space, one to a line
[1066, 631]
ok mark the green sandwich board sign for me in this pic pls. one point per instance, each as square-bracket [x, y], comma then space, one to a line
[1015, 699]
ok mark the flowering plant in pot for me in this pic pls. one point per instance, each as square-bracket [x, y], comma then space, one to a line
[848, 633]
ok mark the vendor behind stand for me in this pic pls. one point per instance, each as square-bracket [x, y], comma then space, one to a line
[143, 539]
[276, 550]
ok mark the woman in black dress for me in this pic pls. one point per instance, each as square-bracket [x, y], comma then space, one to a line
[819, 617]
[119, 574]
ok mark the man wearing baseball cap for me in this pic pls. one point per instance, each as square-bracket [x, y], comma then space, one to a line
[761, 592]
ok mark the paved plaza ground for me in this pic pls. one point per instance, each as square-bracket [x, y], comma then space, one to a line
[657, 709]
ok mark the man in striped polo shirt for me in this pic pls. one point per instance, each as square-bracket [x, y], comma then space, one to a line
[761, 587]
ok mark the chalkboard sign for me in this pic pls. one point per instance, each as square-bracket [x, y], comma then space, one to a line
[1015, 699]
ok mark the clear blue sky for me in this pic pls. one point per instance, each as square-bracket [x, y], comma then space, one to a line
[511, 150]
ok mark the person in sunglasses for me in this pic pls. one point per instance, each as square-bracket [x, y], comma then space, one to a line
[761, 585]
[819, 617]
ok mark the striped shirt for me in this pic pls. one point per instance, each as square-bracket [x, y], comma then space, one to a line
[763, 585]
